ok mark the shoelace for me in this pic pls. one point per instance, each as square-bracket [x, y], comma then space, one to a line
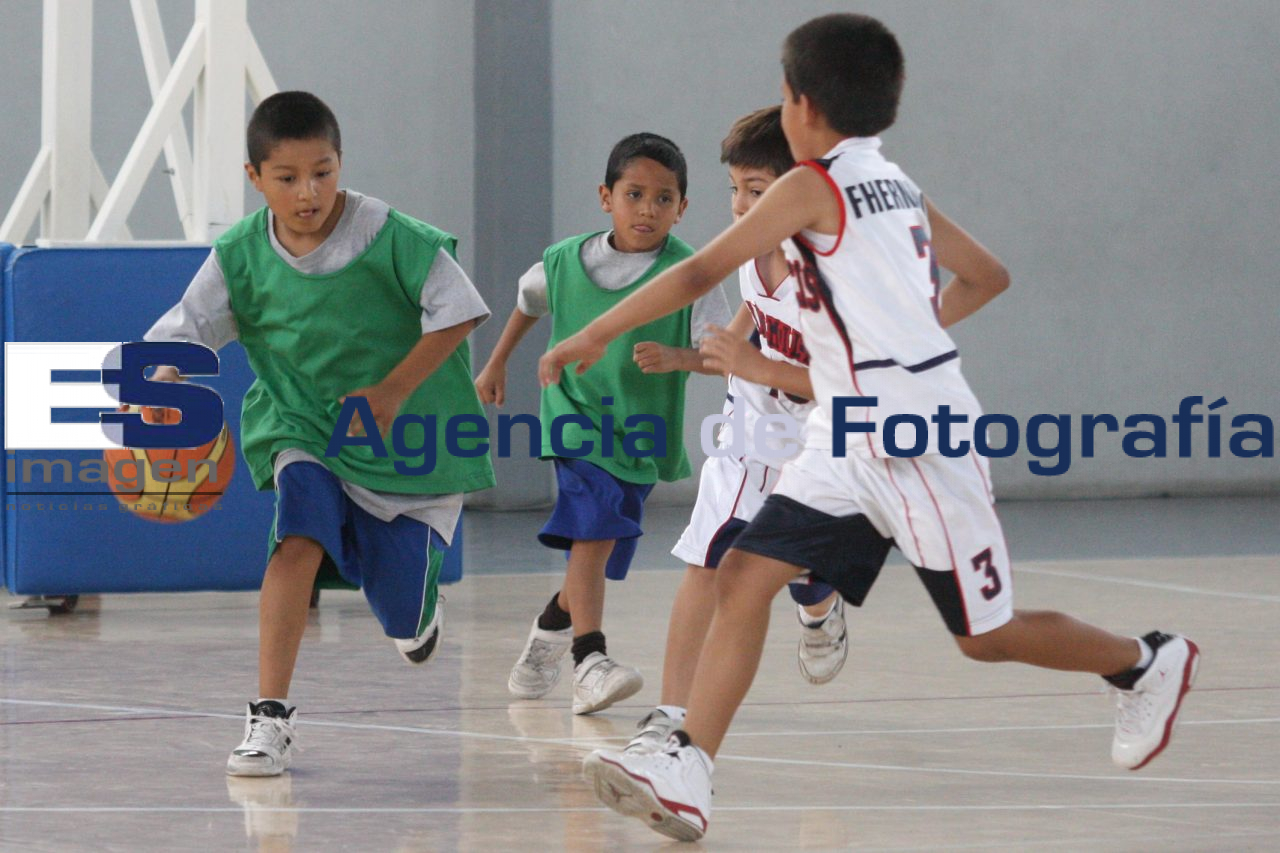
[1133, 708]
[266, 732]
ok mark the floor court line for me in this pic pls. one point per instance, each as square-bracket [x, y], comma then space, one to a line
[1168, 587]
[603, 810]
[585, 744]
[1130, 778]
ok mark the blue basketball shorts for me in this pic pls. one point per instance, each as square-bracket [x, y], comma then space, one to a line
[594, 504]
[397, 563]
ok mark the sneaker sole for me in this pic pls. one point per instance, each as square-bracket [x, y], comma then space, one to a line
[633, 796]
[424, 652]
[250, 770]
[628, 690]
[1189, 671]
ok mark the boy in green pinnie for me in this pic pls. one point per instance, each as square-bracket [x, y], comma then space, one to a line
[333, 295]
[601, 497]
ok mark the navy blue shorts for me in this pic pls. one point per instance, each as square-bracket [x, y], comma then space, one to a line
[594, 504]
[397, 563]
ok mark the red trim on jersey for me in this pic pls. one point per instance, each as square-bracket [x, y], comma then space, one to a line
[955, 571]
[706, 557]
[906, 510]
[755, 264]
[817, 167]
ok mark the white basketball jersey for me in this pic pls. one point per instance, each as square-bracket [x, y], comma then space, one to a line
[868, 297]
[777, 320]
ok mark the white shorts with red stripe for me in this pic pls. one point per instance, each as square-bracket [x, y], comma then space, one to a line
[938, 510]
[731, 491]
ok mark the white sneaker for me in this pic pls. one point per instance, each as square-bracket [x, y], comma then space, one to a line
[420, 649]
[822, 650]
[599, 681]
[670, 791]
[267, 749]
[655, 731]
[1145, 715]
[538, 668]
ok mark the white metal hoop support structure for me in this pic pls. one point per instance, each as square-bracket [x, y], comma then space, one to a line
[65, 187]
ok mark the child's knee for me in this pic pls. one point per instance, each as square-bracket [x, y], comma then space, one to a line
[297, 552]
[988, 648]
[744, 578]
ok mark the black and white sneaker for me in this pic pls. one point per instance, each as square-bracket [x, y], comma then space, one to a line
[1147, 712]
[267, 749]
[420, 649]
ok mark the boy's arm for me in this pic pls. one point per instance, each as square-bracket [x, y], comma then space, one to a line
[979, 275]
[799, 200]
[653, 357]
[491, 384]
[728, 351]
[203, 316]
[386, 398]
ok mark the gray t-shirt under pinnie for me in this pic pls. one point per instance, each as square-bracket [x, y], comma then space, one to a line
[614, 270]
[448, 298]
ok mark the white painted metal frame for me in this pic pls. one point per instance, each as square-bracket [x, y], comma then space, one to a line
[65, 186]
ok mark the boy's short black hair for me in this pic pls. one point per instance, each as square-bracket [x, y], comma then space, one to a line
[654, 147]
[850, 67]
[756, 141]
[290, 115]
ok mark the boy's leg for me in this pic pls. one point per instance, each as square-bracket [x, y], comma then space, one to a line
[745, 587]
[584, 584]
[691, 615]
[1054, 640]
[282, 612]
[598, 680]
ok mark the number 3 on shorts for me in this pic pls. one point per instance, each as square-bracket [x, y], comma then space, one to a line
[982, 563]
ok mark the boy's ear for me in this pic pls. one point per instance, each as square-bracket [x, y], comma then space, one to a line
[809, 114]
[606, 199]
[684, 204]
[254, 177]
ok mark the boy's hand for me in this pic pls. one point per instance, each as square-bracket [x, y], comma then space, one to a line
[384, 403]
[729, 353]
[166, 373]
[491, 384]
[653, 357]
[581, 348]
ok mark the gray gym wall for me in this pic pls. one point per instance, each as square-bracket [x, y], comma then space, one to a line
[1116, 155]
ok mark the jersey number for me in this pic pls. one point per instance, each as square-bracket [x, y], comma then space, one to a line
[809, 293]
[924, 249]
[982, 563]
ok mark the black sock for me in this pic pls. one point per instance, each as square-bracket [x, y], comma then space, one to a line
[1127, 679]
[586, 644]
[554, 618]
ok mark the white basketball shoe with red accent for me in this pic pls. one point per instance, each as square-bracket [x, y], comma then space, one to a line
[670, 791]
[1146, 714]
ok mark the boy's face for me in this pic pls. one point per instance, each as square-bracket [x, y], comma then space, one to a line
[746, 185]
[299, 180]
[645, 204]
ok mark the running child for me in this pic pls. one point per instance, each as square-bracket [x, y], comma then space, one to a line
[335, 295]
[603, 474]
[767, 376]
[865, 246]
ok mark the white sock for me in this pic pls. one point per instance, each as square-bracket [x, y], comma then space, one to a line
[1145, 654]
[814, 621]
[675, 712]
